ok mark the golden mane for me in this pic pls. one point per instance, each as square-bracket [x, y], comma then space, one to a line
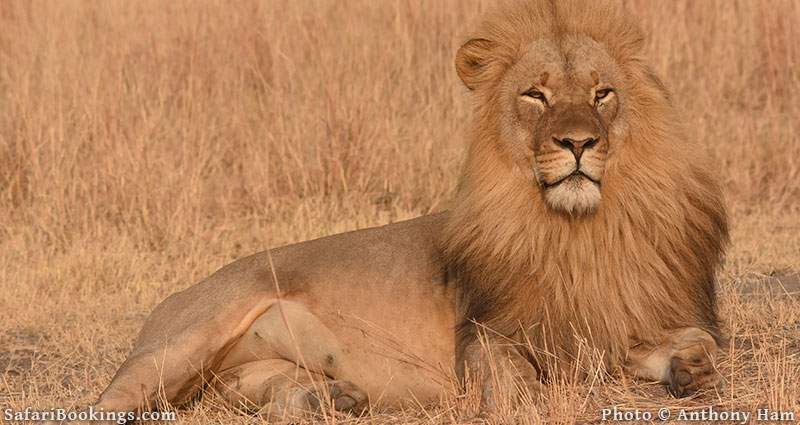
[644, 262]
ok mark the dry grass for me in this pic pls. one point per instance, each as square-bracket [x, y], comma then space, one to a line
[145, 144]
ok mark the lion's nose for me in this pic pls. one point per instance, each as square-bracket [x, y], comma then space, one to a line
[576, 146]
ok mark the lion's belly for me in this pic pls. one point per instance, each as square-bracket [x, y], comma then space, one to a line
[369, 306]
[381, 293]
[397, 350]
[395, 346]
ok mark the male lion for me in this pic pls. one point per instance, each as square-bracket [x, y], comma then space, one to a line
[583, 216]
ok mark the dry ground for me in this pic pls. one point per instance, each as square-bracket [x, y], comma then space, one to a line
[145, 144]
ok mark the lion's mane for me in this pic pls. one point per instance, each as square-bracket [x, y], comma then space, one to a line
[644, 262]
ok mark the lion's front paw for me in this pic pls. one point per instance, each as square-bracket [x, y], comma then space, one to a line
[514, 383]
[688, 374]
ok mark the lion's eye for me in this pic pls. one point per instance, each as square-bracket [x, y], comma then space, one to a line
[601, 94]
[535, 94]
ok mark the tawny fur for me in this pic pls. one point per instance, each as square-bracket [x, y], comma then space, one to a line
[636, 266]
[643, 263]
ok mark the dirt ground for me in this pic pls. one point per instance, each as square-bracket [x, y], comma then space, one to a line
[145, 144]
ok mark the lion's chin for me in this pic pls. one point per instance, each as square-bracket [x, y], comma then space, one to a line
[576, 195]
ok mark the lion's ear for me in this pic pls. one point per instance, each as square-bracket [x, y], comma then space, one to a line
[473, 61]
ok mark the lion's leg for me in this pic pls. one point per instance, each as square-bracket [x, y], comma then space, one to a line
[502, 373]
[183, 341]
[684, 361]
[287, 363]
[279, 388]
[188, 338]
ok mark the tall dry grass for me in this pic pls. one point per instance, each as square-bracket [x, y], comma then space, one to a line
[145, 144]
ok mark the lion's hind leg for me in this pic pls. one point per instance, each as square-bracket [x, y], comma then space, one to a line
[279, 389]
[286, 364]
[180, 344]
[684, 361]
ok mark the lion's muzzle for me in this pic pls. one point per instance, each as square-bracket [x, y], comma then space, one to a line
[570, 157]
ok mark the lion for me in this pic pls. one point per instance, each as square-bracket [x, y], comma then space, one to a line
[584, 215]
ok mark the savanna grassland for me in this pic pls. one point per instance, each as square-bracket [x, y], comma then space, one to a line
[145, 144]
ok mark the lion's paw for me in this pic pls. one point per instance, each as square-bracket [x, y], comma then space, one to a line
[689, 374]
[345, 396]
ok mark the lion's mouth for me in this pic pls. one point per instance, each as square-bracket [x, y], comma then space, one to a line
[575, 174]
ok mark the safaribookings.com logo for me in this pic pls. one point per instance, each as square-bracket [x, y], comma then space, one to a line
[90, 414]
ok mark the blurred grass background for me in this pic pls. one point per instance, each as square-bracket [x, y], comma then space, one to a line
[145, 144]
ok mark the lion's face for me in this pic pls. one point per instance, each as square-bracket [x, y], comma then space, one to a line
[559, 106]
